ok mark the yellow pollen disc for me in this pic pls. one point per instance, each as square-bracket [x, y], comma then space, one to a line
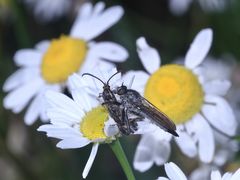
[63, 57]
[176, 91]
[92, 125]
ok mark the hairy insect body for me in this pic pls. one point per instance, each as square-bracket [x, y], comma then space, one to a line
[127, 107]
[112, 105]
[115, 108]
[135, 104]
[117, 111]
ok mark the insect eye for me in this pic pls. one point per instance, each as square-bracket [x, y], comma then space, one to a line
[121, 90]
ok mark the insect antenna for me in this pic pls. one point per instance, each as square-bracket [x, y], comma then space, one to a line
[88, 74]
[112, 76]
[131, 82]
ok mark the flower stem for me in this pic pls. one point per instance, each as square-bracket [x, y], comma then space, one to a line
[119, 153]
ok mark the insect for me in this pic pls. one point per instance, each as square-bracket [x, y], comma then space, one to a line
[131, 108]
[134, 103]
[114, 107]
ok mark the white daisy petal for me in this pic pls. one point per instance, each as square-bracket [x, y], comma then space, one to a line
[72, 143]
[13, 80]
[85, 11]
[43, 115]
[34, 110]
[99, 7]
[21, 76]
[139, 81]
[161, 135]
[227, 176]
[215, 175]
[75, 82]
[42, 46]
[46, 10]
[109, 51]
[83, 100]
[67, 104]
[87, 25]
[174, 172]
[93, 64]
[19, 107]
[79, 89]
[199, 48]
[62, 116]
[217, 87]
[219, 113]
[162, 178]
[27, 57]
[236, 175]
[221, 156]
[162, 152]
[60, 131]
[179, 7]
[201, 172]
[143, 158]
[111, 128]
[148, 55]
[90, 160]
[205, 137]
[22, 95]
[145, 127]
[96, 85]
[199, 71]
[186, 144]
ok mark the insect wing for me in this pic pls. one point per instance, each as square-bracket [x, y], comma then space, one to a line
[157, 117]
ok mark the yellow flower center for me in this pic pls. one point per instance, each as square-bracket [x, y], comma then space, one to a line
[176, 91]
[92, 125]
[63, 57]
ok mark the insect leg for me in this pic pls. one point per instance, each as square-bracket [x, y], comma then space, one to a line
[111, 103]
[133, 121]
[139, 117]
[125, 122]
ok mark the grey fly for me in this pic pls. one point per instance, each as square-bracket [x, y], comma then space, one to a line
[115, 108]
[134, 103]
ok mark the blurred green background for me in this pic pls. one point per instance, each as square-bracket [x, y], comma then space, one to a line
[26, 154]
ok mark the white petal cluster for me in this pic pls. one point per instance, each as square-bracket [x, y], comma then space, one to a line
[175, 173]
[196, 136]
[66, 115]
[27, 85]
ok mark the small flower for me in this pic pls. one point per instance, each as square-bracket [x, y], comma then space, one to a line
[175, 173]
[47, 10]
[222, 156]
[51, 62]
[112, 78]
[79, 121]
[180, 7]
[223, 68]
[196, 106]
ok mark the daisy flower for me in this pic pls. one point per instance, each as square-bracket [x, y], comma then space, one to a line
[79, 121]
[175, 173]
[47, 10]
[94, 88]
[180, 7]
[222, 156]
[194, 105]
[49, 64]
